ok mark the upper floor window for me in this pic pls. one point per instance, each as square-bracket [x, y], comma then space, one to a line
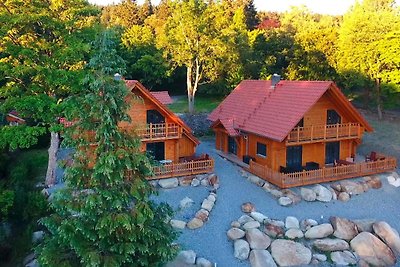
[261, 149]
[332, 117]
[300, 123]
[153, 116]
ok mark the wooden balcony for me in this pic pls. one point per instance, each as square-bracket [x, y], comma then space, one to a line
[324, 133]
[159, 131]
[326, 174]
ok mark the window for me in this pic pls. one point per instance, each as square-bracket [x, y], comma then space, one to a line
[332, 117]
[261, 149]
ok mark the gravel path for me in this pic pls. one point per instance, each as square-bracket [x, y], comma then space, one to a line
[211, 241]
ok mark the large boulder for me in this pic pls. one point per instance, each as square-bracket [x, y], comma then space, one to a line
[296, 199]
[207, 204]
[394, 179]
[194, 223]
[235, 233]
[273, 230]
[202, 214]
[241, 249]
[323, 194]
[329, 244]
[343, 258]
[256, 180]
[168, 183]
[251, 225]
[258, 216]
[294, 233]
[364, 225]
[290, 253]
[308, 194]
[261, 258]
[319, 231]
[245, 219]
[388, 235]
[257, 239]
[307, 224]
[178, 224]
[184, 258]
[285, 201]
[375, 182]
[292, 222]
[343, 228]
[351, 187]
[202, 262]
[343, 196]
[372, 250]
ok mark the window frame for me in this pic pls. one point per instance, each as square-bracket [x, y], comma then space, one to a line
[266, 150]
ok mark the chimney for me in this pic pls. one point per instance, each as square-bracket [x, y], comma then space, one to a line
[275, 80]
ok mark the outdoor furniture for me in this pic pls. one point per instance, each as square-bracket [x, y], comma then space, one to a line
[341, 162]
[371, 157]
[311, 166]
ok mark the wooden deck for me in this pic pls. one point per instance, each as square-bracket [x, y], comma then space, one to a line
[326, 174]
[323, 133]
[159, 131]
[182, 169]
[233, 158]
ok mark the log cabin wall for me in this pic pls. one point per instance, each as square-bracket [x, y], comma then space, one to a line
[185, 147]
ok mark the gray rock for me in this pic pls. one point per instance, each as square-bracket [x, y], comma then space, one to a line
[202, 214]
[294, 233]
[261, 258]
[186, 256]
[343, 196]
[372, 250]
[259, 217]
[336, 187]
[204, 182]
[292, 195]
[202, 262]
[285, 201]
[33, 263]
[235, 224]
[194, 223]
[153, 183]
[323, 194]
[245, 219]
[241, 249]
[276, 193]
[343, 228]
[168, 183]
[248, 207]
[273, 230]
[257, 239]
[329, 244]
[211, 198]
[185, 181]
[343, 258]
[308, 194]
[319, 231]
[195, 183]
[388, 235]
[207, 205]
[352, 188]
[235, 233]
[202, 177]
[256, 180]
[185, 203]
[364, 225]
[307, 224]
[290, 253]
[37, 237]
[292, 222]
[178, 224]
[320, 257]
[275, 222]
[251, 225]
[333, 192]
[394, 179]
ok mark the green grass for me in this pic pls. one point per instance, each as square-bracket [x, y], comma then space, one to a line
[201, 104]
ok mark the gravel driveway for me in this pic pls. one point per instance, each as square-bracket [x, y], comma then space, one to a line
[211, 241]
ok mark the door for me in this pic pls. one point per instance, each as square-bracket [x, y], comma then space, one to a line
[153, 116]
[332, 152]
[332, 117]
[232, 146]
[156, 150]
[294, 157]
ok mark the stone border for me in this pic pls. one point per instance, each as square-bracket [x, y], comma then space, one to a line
[269, 242]
[189, 258]
[202, 215]
[342, 190]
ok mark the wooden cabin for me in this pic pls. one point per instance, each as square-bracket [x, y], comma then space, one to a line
[286, 130]
[164, 135]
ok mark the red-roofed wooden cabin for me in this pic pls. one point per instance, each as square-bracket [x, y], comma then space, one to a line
[293, 133]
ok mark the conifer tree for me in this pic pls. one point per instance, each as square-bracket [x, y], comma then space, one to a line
[104, 217]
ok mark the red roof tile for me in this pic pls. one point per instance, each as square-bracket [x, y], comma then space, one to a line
[163, 97]
[258, 108]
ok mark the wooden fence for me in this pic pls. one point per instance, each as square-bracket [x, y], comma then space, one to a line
[159, 131]
[330, 132]
[326, 174]
[182, 169]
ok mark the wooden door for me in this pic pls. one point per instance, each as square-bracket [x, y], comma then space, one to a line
[294, 157]
[156, 150]
[332, 152]
[232, 146]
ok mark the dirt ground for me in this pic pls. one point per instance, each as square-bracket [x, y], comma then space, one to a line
[386, 135]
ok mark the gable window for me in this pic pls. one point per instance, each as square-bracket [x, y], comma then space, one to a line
[261, 149]
[332, 117]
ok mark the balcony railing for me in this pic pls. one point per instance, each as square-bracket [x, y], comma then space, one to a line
[320, 133]
[159, 131]
[180, 169]
[326, 174]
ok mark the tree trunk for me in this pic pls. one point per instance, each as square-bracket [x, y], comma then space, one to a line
[190, 92]
[52, 165]
[378, 98]
[191, 103]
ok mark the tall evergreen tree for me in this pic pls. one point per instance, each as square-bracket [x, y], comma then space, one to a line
[104, 217]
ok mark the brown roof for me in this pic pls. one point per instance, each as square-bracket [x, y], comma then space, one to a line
[163, 97]
[131, 84]
[256, 107]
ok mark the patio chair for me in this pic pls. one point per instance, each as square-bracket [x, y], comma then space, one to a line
[371, 157]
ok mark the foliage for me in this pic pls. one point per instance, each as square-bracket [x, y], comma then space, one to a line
[104, 217]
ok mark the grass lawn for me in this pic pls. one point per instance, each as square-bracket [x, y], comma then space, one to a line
[201, 103]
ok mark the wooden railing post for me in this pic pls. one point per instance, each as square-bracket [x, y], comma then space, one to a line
[312, 132]
[298, 134]
[337, 130]
[325, 132]
[166, 129]
[151, 131]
